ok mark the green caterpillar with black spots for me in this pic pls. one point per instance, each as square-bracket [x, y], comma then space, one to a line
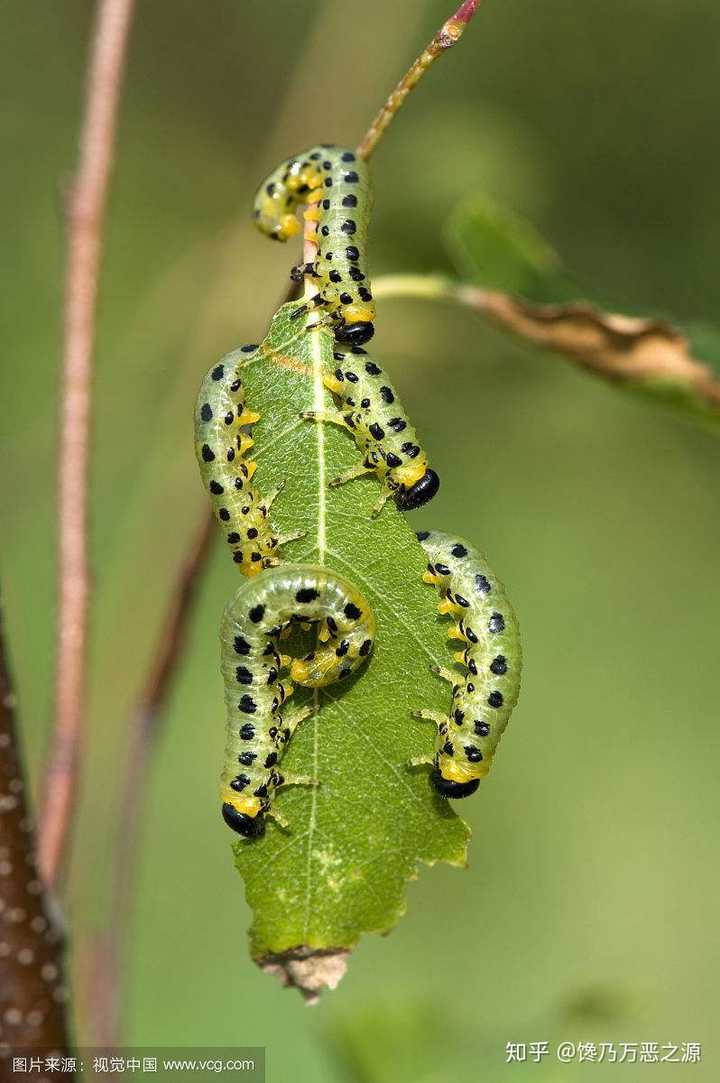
[334, 187]
[223, 421]
[485, 693]
[258, 726]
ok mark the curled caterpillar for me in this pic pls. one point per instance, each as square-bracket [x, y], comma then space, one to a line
[335, 187]
[222, 420]
[483, 698]
[371, 410]
[258, 728]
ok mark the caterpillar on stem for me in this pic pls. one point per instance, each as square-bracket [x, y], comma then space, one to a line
[334, 186]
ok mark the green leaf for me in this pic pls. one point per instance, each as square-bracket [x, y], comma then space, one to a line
[354, 840]
[492, 246]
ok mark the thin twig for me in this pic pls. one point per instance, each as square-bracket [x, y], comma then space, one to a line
[448, 35]
[108, 952]
[32, 995]
[643, 354]
[85, 215]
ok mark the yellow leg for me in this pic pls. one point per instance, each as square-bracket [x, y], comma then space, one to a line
[437, 717]
[284, 539]
[381, 502]
[357, 471]
[274, 494]
[446, 674]
[299, 780]
[331, 417]
[278, 818]
[446, 606]
[292, 721]
[421, 761]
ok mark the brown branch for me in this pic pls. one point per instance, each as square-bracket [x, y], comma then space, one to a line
[32, 995]
[85, 215]
[643, 354]
[448, 35]
[108, 951]
[648, 354]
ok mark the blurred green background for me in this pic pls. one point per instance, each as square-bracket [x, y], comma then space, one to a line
[587, 912]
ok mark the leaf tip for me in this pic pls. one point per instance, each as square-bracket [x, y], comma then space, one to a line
[309, 970]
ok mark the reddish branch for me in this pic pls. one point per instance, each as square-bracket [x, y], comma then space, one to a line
[85, 215]
[448, 35]
[32, 995]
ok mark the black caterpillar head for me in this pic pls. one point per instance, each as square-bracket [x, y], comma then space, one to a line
[354, 334]
[419, 493]
[249, 826]
[446, 787]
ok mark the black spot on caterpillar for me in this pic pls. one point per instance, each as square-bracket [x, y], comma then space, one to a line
[258, 726]
[484, 696]
[335, 187]
[372, 412]
[222, 439]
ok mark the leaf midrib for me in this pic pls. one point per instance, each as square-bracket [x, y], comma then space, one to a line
[321, 545]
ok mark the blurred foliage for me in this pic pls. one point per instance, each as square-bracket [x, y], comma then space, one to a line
[421, 1041]
[493, 247]
[594, 853]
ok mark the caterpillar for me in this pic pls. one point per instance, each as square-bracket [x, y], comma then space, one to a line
[372, 412]
[335, 187]
[222, 420]
[258, 728]
[482, 699]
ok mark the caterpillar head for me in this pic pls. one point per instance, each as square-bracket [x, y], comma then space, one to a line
[448, 787]
[250, 827]
[419, 493]
[354, 334]
[355, 325]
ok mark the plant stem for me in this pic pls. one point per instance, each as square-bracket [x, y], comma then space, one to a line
[448, 35]
[85, 216]
[414, 286]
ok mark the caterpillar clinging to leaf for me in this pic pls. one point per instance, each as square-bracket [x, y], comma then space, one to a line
[373, 414]
[335, 187]
[222, 421]
[258, 726]
[483, 696]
